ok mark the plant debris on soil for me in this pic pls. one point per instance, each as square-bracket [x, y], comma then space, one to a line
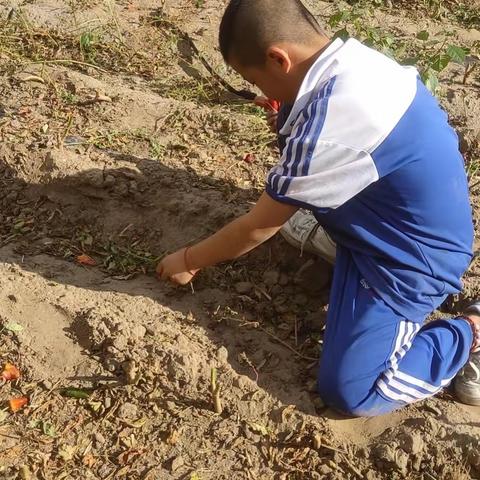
[117, 147]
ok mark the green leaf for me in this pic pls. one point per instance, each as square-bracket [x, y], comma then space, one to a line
[48, 429]
[3, 415]
[423, 35]
[431, 80]
[456, 54]
[440, 62]
[14, 327]
[75, 393]
[343, 34]
[338, 17]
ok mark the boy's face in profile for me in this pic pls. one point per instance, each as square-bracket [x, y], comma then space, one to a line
[271, 78]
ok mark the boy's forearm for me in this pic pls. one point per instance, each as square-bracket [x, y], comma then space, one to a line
[232, 241]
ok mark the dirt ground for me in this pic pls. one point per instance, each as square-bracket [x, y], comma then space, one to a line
[117, 143]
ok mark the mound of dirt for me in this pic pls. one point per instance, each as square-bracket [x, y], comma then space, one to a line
[116, 143]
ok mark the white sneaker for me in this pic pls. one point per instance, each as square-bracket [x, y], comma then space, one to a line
[304, 232]
[467, 381]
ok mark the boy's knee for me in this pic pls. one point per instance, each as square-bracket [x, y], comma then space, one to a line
[336, 394]
[352, 398]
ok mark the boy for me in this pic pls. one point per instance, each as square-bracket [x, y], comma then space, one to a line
[367, 150]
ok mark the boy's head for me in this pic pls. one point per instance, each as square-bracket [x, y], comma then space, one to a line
[271, 43]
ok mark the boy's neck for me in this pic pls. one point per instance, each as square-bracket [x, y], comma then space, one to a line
[304, 58]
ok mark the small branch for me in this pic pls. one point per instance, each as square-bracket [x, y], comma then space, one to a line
[67, 61]
[215, 391]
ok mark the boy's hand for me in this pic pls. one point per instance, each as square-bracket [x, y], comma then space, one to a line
[173, 268]
[271, 109]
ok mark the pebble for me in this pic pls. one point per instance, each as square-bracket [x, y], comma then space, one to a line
[244, 383]
[324, 470]
[474, 460]
[417, 462]
[243, 288]
[442, 432]
[110, 364]
[47, 384]
[128, 411]
[95, 178]
[300, 299]
[412, 443]
[99, 438]
[401, 461]
[370, 475]
[138, 331]
[121, 189]
[107, 402]
[222, 355]
[385, 452]
[109, 181]
[271, 277]
[178, 462]
[121, 342]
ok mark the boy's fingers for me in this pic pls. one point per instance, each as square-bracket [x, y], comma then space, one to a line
[267, 104]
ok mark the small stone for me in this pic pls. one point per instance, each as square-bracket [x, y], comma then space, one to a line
[109, 181]
[244, 383]
[324, 470]
[300, 299]
[178, 462]
[138, 331]
[474, 460]
[107, 403]
[442, 433]
[95, 178]
[151, 330]
[222, 355]
[243, 288]
[271, 277]
[121, 189]
[401, 461]
[131, 371]
[384, 452]
[120, 342]
[317, 441]
[417, 462]
[370, 475]
[99, 438]
[128, 411]
[47, 384]
[25, 473]
[412, 443]
[110, 364]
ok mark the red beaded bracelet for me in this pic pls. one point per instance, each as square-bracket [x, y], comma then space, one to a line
[476, 333]
[185, 260]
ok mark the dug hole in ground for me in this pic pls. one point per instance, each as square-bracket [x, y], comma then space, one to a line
[117, 146]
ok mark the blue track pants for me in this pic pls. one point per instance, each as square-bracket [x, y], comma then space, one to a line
[374, 361]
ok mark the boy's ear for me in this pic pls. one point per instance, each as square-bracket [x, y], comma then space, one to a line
[279, 58]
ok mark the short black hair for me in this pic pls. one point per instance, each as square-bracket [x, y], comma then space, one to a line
[249, 27]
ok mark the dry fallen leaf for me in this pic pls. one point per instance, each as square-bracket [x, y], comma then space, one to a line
[86, 260]
[10, 373]
[17, 404]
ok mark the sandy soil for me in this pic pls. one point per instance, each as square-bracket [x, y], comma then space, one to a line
[125, 179]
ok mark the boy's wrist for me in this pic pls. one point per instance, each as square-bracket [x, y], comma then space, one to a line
[188, 266]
